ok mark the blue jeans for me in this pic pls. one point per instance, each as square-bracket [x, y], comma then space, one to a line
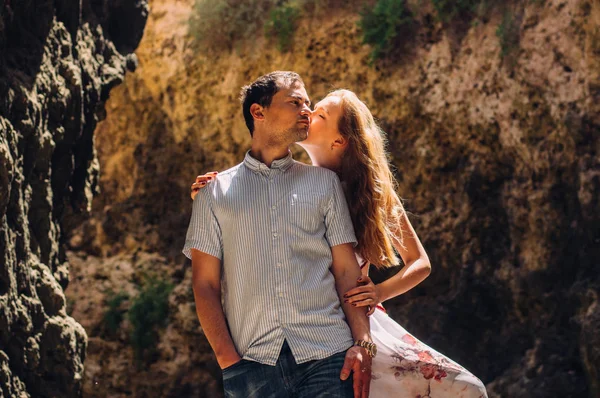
[311, 379]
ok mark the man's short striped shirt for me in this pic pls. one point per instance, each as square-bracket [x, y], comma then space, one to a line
[273, 229]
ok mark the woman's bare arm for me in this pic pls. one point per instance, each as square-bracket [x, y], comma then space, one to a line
[417, 267]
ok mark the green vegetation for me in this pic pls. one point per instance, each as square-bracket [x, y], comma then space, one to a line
[449, 10]
[217, 25]
[224, 25]
[220, 24]
[149, 312]
[70, 305]
[282, 24]
[508, 34]
[383, 24]
[114, 314]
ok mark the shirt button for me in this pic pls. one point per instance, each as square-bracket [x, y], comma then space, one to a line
[280, 294]
[274, 235]
[278, 265]
[273, 207]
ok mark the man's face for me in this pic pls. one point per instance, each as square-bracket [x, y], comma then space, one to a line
[287, 119]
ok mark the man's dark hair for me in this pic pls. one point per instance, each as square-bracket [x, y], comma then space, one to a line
[262, 90]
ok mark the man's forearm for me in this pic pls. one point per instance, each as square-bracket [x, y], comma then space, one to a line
[212, 319]
[356, 316]
[346, 272]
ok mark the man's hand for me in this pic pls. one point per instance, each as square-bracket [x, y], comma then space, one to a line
[358, 361]
[229, 361]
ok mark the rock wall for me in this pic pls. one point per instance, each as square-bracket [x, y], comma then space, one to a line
[59, 60]
[497, 159]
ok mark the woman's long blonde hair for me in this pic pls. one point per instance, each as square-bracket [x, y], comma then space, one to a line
[375, 207]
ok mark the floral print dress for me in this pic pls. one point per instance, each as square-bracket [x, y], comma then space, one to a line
[405, 367]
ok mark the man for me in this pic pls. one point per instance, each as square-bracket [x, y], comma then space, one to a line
[275, 237]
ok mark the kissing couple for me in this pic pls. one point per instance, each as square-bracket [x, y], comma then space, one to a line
[281, 250]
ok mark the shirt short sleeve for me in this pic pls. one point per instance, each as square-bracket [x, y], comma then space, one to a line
[204, 232]
[337, 217]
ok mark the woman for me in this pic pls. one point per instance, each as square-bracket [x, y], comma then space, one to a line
[344, 137]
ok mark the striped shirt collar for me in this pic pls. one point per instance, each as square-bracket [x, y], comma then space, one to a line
[255, 165]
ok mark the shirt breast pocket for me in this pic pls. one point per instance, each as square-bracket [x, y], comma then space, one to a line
[306, 212]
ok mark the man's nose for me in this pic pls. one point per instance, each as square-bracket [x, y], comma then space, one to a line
[306, 110]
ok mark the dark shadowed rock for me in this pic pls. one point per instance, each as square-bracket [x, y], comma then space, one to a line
[57, 66]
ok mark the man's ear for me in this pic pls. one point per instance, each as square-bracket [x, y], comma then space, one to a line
[257, 111]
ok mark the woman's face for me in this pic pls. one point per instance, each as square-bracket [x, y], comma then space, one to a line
[324, 123]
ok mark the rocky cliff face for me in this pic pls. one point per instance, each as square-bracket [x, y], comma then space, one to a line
[496, 156]
[58, 62]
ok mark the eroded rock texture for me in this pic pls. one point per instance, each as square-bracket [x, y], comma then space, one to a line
[59, 59]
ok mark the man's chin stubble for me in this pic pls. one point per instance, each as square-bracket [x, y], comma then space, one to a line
[301, 135]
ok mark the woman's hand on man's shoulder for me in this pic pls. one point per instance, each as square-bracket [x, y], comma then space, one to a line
[202, 181]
